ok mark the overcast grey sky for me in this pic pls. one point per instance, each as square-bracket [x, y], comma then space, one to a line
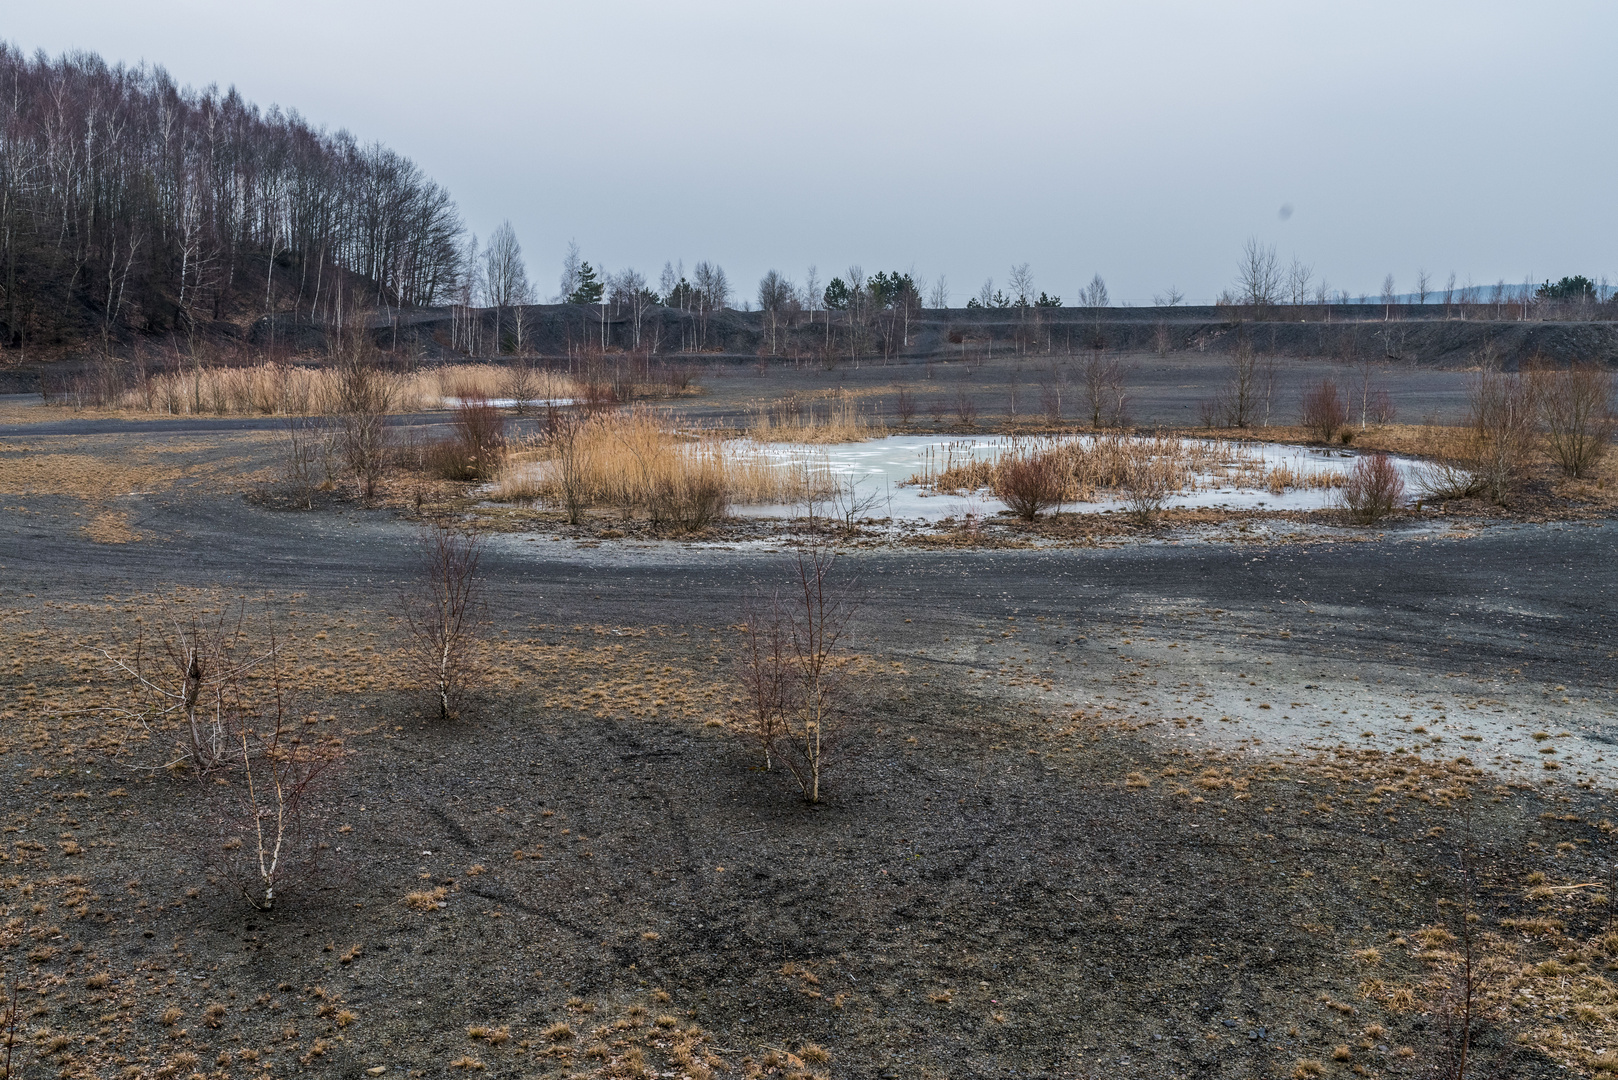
[1142, 140]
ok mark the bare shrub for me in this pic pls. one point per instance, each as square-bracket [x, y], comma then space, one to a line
[364, 399]
[480, 439]
[1162, 339]
[1147, 485]
[521, 384]
[851, 501]
[309, 463]
[1503, 418]
[1322, 412]
[1449, 466]
[570, 455]
[1237, 402]
[1373, 489]
[215, 685]
[1381, 408]
[795, 667]
[966, 408]
[442, 614]
[1576, 405]
[1030, 483]
[689, 498]
[269, 822]
[904, 407]
[1106, 390]
[10, 1024]
[189, 678]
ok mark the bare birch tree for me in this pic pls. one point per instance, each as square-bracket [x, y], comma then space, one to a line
[442, 612]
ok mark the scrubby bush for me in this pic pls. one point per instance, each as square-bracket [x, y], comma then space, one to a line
[442, 613]
[1323, 412]
[794, 665]
[1030, 484]
[1147, 486]
[1373, 489]
[476, 449]
[1503, 422]
[1576, 406]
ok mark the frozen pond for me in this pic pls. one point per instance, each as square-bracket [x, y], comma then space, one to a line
[512, 403]
[882, 468]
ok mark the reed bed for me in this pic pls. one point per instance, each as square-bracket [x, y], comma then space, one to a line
[272, 389]
[798, 419]
[637, 463]
[1108, 465]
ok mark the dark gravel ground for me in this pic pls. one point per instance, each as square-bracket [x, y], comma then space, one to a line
[981, 895]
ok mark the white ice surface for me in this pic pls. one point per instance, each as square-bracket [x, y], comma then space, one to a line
[883, 466]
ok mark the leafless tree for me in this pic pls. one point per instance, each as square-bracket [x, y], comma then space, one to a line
[1389, 297]
[1258, 275]
[1094, 295]
[1502, 416]
[904, 406]
[364, 400]
[1577, 407]
[1162, 338]
[1449, 292]
[121, 192]
[572, 272]
[711, 293]
[520, 384]
[1367, 366]
[565, 438]
[442, 612]
[796, 666]
[1299, 275]
[1021, 281]
[1170, 297]
[851, 501]
[1051, 377]
[1424, 286]
[775, 293]
[986, 293]
[504, 275]
[1322, 412]
[813, 296]
[1106, 389]
[938, 296]
[309, 445]
[271, 822]
[191, 676]
[1236, 403]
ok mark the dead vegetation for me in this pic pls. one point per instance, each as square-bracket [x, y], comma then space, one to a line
[282, 389]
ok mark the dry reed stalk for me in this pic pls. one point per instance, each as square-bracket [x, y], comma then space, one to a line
[794, 420]
[636, 463]
[272, 389]
[1113, 463]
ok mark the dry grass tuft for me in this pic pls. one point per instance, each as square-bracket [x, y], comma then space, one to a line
[637, 463]
[290, 390]
[426, 900]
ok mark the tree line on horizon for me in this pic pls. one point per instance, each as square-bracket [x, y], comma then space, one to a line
[130, 205]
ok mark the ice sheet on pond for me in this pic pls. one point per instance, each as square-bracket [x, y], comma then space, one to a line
[511, 403]
[884, 466]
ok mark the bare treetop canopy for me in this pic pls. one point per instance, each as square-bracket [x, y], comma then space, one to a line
[130, 203]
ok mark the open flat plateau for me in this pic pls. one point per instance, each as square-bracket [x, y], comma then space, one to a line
[1208, 799]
